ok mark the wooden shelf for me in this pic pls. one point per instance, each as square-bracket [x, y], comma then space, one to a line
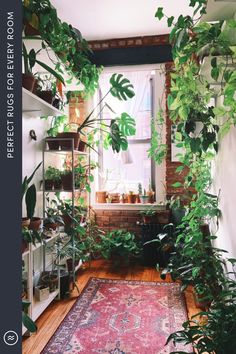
[40, 306]
[33, 106]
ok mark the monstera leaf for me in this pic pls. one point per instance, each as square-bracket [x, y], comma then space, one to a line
[121, 87]
[126, 124]
[115, 139]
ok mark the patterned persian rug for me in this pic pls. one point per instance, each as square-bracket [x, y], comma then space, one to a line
[121, 317]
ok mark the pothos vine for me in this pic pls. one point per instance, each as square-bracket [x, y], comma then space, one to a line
[199, 128]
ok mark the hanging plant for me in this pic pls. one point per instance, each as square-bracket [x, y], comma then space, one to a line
[70, 47]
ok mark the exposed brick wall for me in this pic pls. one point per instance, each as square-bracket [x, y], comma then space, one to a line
[171, 175]
[109, 220]
[129, 42]
[77, 109]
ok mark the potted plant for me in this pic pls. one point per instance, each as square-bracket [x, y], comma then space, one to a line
[25, 185]
[56, 124]
[30, 199]
[26, 320]
[144, 197]
[131, 197]
[119, 245]
[29, 62]
[149, 216]
[30, 236]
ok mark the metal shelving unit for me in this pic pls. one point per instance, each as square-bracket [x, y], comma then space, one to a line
[73, 153]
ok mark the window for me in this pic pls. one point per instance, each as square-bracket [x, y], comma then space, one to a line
[124, 171]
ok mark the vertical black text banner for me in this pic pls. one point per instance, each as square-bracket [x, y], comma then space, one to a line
[11, 175]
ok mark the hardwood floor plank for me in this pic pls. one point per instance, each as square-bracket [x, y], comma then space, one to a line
[56, 312]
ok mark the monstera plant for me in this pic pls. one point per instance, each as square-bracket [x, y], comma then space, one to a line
[115, 129]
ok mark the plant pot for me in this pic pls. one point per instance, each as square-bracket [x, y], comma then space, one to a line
[24, 246]
[51, 226]
[163, 217]
[65, 143]
[28, 81]
[56, 102]
[67, 181]
[177, 215]
[53, 143]
[50, 280]
[46, 96]
[82, 146]
[41, 292]
[200, 303]
[149, 219]
[143, 199]
[67, 221]
[131, 198]
[69, 263]
[36, 87]
[151, 197]
[30, 31]
[64, 283]
[25, 222]
[48, 184]
[35, 224]
[101, 196]
[58, 184]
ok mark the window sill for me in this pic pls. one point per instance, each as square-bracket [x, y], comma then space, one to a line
[126, 206]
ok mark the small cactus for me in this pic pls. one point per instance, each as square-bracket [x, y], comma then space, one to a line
[140, 189]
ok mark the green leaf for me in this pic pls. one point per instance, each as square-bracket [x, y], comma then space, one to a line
[215, 73]
[28, 323]
[177, 185]
[50, 70]
[121, 87]
[170, 21]
[195, 144]
[30, 199]
[126, 124]
[214, 62]
[159, 13]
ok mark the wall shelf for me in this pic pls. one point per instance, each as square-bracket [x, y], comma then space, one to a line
[33, 106]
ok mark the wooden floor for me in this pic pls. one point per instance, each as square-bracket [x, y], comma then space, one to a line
[54, 314]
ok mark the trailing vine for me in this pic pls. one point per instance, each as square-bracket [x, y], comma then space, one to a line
[199, 128]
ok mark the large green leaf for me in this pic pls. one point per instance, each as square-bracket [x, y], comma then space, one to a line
[28, 323]
[126, 124]
[30, 199]
[50, 70]
[121, 87]
[115, 139]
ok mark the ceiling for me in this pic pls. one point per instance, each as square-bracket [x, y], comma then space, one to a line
[106, 19]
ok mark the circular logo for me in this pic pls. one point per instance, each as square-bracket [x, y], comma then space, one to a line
[10, 337]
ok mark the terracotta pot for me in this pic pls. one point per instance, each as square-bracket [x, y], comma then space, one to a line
[163, 217]
[199, 303]
[149, 219]
[28, 82]
[25, 222]
[51, 226]
[67, 181]
[35, 224]
[48, 183]
[46, 96]
[151, 197]
[131, 198]
[67, 144]
[53, 143]
[31, 31]
[82, 146]
[101, 196]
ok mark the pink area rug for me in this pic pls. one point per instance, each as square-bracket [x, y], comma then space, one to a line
[121, 317]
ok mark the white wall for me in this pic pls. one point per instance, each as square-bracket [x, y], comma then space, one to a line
[32, 154]
[224, 180]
